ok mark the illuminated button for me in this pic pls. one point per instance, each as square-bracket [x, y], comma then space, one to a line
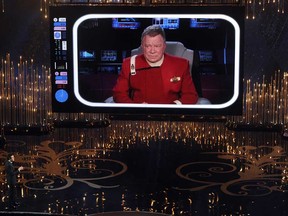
[61, 95]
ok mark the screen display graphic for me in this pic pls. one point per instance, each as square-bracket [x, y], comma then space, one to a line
[89, 44]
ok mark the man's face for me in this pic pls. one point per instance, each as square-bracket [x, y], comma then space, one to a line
[153, 48]
[12, 158]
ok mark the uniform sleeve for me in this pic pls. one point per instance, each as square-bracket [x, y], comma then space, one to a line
[188, 93]
[121, 89]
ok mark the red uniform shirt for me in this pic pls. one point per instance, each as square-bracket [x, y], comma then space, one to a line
[165, 84]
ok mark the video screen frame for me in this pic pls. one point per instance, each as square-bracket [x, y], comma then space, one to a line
[165, 108]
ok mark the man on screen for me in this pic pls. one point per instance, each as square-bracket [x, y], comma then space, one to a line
[155, 77]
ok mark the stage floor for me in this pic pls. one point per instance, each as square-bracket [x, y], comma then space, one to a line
[150, 168]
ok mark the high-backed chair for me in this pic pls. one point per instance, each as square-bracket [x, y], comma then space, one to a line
[176, 48]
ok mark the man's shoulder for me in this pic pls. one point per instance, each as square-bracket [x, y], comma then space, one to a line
[138, 58]
[175, 58]
[7, 163]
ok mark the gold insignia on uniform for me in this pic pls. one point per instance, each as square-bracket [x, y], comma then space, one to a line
[175, 79]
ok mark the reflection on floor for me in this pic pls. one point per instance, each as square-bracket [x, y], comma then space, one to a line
[164, 168]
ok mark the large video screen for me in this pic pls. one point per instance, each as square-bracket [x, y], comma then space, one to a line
[89, 45]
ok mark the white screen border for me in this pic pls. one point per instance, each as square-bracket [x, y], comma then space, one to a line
[169, 106]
